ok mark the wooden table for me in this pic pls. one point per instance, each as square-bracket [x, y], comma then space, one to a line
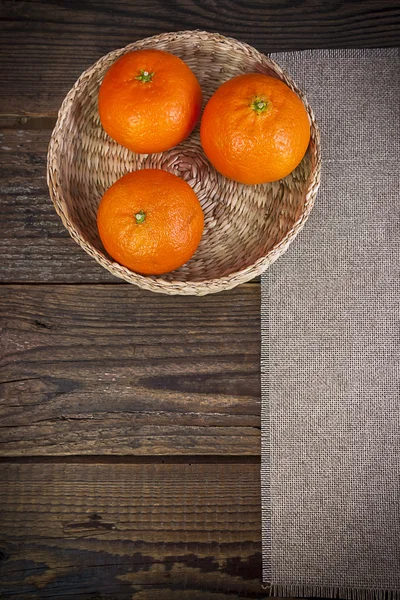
[129, 422]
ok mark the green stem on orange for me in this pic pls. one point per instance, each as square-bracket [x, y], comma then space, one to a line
[259, 105]
[140, 217]
[145, 76]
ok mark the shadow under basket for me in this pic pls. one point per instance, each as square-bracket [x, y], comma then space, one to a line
[246, 227]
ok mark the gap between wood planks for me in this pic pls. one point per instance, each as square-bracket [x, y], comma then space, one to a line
[135, 460]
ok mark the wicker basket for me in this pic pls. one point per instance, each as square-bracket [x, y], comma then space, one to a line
[246, 227]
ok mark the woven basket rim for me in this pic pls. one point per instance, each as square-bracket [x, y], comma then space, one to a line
[156, 283]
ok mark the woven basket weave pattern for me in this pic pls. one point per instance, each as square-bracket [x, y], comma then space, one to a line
[246, 227]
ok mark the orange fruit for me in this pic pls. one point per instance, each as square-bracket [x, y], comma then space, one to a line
[149, 101]
[255, 129]
[150, 221]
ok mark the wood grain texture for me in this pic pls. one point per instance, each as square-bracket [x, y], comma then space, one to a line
[34, 244]
[109, 369]
[98, 531]
[47, 44]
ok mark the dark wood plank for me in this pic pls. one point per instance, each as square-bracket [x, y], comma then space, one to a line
[34, 244]
[109, 369]
[47, 44]
[169, 532]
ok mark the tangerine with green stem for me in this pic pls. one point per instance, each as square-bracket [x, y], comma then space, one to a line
[150, 221]
[255, 129]
[149, 101]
